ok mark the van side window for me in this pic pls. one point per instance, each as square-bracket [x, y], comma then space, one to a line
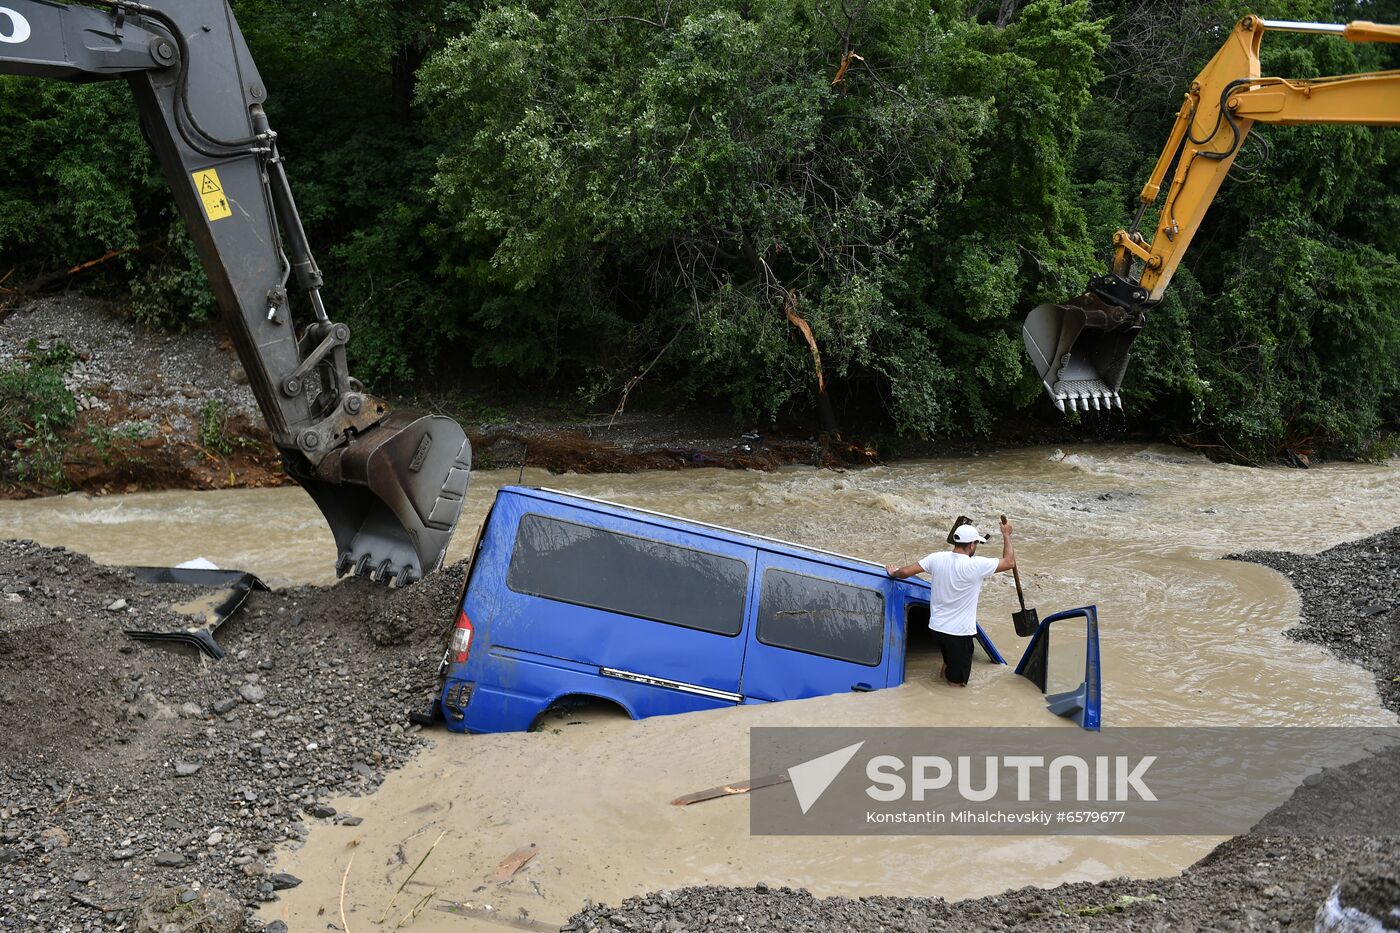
[640, 577]
[816, 616]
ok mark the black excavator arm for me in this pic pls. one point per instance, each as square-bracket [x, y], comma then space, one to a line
[390, 483]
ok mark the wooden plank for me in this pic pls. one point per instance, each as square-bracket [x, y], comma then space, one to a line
[729, 790]
[496, 917]
[513, 863]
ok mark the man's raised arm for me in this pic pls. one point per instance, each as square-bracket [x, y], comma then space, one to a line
[1008, 549]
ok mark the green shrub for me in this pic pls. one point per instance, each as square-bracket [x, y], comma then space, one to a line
[214, 432]
[35, 409]
[619, 184]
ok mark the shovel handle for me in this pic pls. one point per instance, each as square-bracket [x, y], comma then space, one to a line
[1016, 574]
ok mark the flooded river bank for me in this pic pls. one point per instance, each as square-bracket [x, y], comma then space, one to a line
[1187, 639]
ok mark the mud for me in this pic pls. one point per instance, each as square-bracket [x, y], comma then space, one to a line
[599, 448]
[1188, 639]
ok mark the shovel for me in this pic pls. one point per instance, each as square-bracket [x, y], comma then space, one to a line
[1027, 620]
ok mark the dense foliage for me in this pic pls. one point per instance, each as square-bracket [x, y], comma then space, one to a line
[650, 196]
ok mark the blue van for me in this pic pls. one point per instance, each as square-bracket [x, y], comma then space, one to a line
[569, 598]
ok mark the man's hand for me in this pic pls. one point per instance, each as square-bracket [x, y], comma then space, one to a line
[903, 573]
[1005, 527]
[892, 570]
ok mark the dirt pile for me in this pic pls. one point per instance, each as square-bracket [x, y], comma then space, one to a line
[129, 769]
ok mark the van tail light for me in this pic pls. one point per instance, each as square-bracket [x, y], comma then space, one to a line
[461, 638]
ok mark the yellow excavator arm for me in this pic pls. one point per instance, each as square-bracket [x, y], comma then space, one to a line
[1081, 348]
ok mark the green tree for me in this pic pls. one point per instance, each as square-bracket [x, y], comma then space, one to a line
[77, 184]
[632, 180]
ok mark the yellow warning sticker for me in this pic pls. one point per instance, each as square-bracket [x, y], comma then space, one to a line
[211, 192]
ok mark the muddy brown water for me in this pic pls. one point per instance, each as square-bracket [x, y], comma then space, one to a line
[1186, 639]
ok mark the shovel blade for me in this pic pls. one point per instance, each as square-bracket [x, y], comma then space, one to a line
[1026, 622]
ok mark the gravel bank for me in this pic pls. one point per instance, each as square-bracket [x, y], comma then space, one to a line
[150, 392]
[150, 405]
[1262, 881]
[154, 377]
[1351, 603]
[129, 770]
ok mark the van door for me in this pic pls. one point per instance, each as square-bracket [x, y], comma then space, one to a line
[1084, 703]
[815, 629]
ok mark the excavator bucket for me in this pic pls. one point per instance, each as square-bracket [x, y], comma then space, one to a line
[1080, 350]
[392, 495]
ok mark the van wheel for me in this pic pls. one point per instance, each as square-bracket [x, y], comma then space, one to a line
[578, 710]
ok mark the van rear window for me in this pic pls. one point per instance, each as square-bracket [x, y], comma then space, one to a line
[835, 620]
[635, 576]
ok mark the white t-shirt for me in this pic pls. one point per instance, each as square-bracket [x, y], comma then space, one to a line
[957, 582]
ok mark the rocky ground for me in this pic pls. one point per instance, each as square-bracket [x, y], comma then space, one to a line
[1351, 603]
[155, 410]
[132, 777]
[1255, 882]
[145, 400]
[1266, 880]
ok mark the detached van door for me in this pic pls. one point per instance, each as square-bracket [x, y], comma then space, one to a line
[813, 630]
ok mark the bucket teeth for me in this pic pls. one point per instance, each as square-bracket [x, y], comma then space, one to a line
[1076, 398]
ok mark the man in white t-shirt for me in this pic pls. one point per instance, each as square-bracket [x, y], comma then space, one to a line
[956, 577]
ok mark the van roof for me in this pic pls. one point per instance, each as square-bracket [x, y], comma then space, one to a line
[732, 534]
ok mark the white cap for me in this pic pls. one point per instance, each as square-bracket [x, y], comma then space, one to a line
[966, 534]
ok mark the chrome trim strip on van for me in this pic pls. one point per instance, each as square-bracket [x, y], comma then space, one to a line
[673, 684]
[733, 531]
